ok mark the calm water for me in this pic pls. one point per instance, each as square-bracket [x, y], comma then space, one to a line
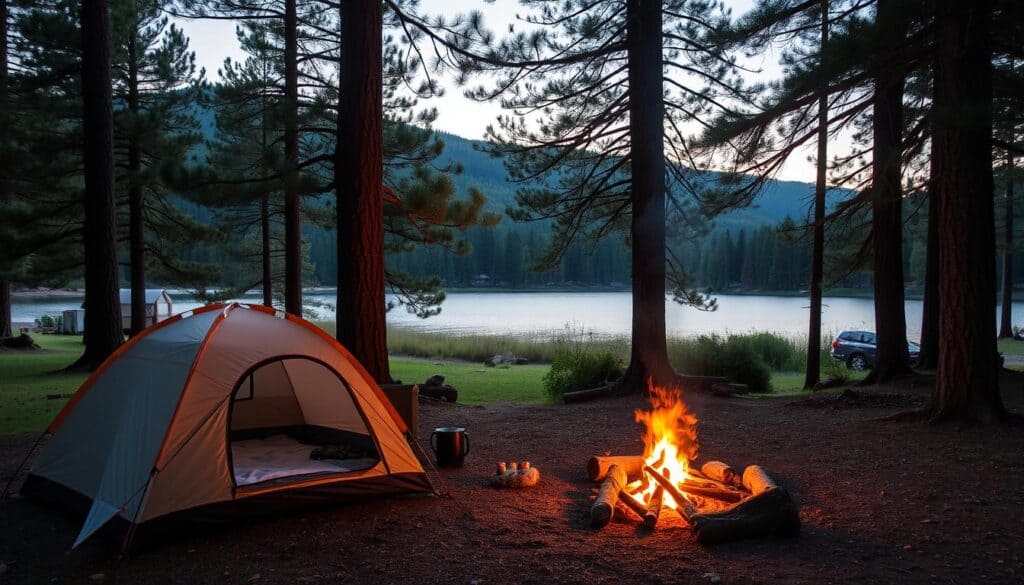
[606, 313]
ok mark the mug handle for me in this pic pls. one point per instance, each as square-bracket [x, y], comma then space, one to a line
[466, 435]
[433, 442]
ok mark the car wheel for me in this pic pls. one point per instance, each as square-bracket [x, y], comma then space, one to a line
[857, 363]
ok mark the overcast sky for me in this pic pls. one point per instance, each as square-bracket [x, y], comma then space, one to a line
[214, 40]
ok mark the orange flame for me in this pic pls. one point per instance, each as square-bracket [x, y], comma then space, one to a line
[670, 442]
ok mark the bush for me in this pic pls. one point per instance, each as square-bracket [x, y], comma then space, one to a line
[46, 321]
[780, 354]
[579, 369]
[736, 357]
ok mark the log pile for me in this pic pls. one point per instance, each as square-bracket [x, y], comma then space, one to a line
[719, 504]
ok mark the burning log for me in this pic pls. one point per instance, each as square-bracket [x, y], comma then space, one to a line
[636, 506]
[770, 513]
[653, 509]
[683, 506]
[633, 465]
[604, 506]
[721, 472]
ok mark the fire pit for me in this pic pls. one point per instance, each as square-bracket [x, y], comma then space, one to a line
[718, 504]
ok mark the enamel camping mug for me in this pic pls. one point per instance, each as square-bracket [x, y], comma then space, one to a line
[450, 445]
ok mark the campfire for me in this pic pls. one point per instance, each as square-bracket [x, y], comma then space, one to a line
[718, 504]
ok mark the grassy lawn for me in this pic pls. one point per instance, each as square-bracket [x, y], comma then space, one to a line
[27, 379]
[478, 384]
[33, 388]
[1011, 347]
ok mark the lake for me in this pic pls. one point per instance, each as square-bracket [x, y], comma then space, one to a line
[603, 313]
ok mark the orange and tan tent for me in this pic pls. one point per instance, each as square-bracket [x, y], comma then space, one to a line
[222, 410]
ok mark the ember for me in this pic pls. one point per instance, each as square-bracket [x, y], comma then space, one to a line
[717, 503]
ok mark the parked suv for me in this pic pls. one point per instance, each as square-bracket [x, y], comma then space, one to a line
[857, 349]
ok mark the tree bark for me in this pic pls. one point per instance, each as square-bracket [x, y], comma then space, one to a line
[136, 220]
[6, 326]
[813, 375]
[1006, 314]
[102, 307]
[649, 351]
[967, 381]
[292, 204]
[893, 359]
[358, 177]
[928, 359]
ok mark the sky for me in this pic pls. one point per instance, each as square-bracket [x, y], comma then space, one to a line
[214, 40]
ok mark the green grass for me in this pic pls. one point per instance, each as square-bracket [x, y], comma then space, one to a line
[1011, 347]
[28, 377]
[478, 384]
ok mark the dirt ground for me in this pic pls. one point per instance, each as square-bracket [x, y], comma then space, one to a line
[881, 502]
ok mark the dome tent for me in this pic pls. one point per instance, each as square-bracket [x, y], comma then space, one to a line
[219, 411]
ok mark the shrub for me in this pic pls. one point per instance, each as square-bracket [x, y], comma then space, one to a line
[573, 370]
[46, 321]
[735, 357]
[780, 354]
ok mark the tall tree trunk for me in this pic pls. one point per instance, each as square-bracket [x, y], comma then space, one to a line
[136, 220]
[928, 359]
[892, 359]
[358, 176]
[1006, 315]
[6, 326]
[267, 278]
[102, 306]
[292, 205]
[818, 246]
[967, 380]
[649, 354]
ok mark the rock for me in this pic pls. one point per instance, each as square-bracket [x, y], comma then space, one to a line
[713, 577]
[502, 359]
[435, 380]
[98, 577]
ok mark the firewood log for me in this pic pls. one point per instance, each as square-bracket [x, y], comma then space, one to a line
[653, 509]
[719, 471]
[633, 465]
[757, 480]
[769, 513]
[718, 493]
[604, 506]
[685, 508]
[630, 501]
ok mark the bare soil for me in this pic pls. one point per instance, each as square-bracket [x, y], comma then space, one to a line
[881, 502]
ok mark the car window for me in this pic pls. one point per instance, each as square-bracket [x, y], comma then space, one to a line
[869, 338]
[847, 336]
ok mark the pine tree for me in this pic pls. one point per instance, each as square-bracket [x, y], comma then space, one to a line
[967, 378]
[102, 307]
[154, 134]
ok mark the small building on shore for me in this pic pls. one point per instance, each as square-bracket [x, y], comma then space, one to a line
[159, 306]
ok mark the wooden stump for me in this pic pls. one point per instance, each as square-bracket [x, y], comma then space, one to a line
[769, 513]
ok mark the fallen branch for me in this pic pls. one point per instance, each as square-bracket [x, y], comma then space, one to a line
[604, 506]
[585, 395]
[630, 501]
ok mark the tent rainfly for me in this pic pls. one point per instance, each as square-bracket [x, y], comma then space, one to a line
[217, 412]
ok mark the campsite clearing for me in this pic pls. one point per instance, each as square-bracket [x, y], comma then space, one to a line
[935, 505]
